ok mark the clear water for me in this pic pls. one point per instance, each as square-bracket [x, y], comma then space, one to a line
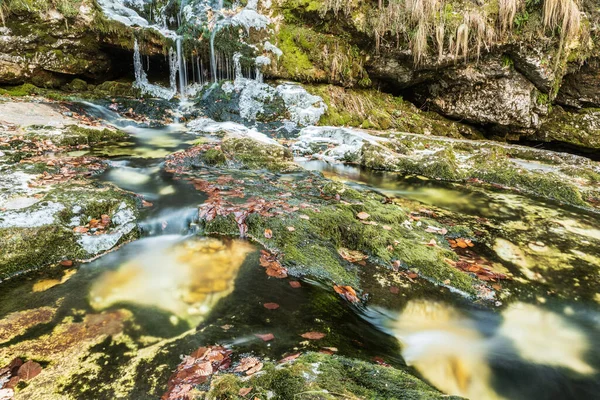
[180, 291]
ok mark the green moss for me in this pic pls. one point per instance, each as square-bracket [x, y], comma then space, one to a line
[253, 154]
[214, 157]
[76, 135]
[28, 248]
[314, 375]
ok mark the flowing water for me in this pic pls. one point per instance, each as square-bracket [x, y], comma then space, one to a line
[180, 290]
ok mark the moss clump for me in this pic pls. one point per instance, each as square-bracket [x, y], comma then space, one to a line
[371, 109]
[252, 154]
[116, 89]
[76, 135]
[214, 157]
[28, 248]
[547, 185]
[326, 377]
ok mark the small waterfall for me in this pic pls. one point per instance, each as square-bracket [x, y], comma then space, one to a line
[238, 66]
[141, 78]
[182, 69]
[173, 67]
[213, 59]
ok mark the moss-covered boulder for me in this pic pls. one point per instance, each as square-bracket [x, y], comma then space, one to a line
[579, 128]
[325, 377]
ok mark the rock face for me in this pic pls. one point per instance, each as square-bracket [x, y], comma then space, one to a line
[486, 94]
[580, 128]
[582, 87]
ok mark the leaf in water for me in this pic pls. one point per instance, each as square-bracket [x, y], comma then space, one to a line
[29, 370]
[362, 215]
[295, 284]
[271, 306]
[268, 233]
[265, 337]
[347, 292]
[66, 263]
[244, 391]
[289, 358]
[273, 267]
[313, 335]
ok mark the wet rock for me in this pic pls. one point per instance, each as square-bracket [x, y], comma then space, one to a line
[579, 128]
[512, 167]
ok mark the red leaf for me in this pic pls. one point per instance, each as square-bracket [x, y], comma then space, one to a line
[290, 358]
[295, 284]
[29, 370]
[348, 292]
[313, 335]
[66, 263]
[265, 337]
[271, 306]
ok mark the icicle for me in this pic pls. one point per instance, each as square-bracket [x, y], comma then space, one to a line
[141, 79]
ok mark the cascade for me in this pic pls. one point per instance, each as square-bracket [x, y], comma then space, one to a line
[141, 78]
[182, 69]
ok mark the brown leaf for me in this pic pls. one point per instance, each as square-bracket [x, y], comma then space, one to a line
[291, 228]
[295, 284]
[265, 337]
[244, 391]
[29, 370]
[290, 358]
[313, 335]
[362, 215]
[248, 363]
[66, 263]
[387, 227]
[271, 306]
[80, 229]
[304, 216]
[268, 233]
[348, 292]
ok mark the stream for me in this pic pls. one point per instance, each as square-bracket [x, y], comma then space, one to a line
[181, 290]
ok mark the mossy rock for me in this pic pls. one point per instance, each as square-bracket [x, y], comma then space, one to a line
[253, 154]
[315, 375]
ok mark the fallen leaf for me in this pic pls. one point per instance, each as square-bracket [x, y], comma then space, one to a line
[347, 292]
[295, 284]
[387, 227]
[29, 370]
[290, 358]
[249, 365]
[146, 203]
[66, 263]
[244, 391]
[265, 337]
[271, 306]
[268, 233]
[313, 335]
[304, 216]
[351, 255]
[362, 215]
[291, 228]
[394, 290]
[80, 229]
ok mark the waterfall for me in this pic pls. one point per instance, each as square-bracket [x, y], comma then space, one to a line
[173, 67]
[141, 78]
[182, 69]
[213, 61]
[238, 66]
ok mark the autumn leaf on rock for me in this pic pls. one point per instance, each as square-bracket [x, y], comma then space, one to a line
[244, 391]
[249, 365]
[362, 215]
[313, 335]
[29, 370]
[351, 255]
[289, 358]
[347, 292]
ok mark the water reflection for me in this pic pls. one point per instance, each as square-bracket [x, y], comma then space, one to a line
[185, 278]
[480, 355]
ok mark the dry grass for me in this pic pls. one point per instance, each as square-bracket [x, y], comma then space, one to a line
[507, 12]
[563, 14]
